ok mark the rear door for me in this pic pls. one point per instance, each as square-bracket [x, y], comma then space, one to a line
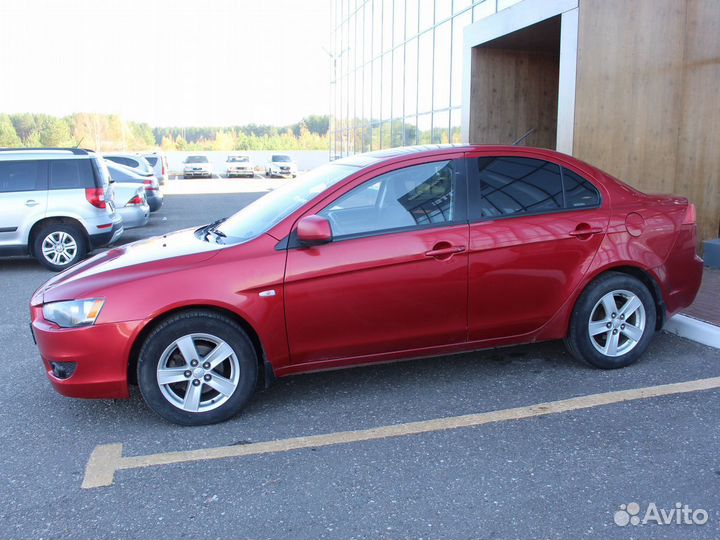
[535, 227]
[23, 199]
[394, 277]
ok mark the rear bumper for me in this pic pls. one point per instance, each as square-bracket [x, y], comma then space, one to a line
[683, 272]
[112, 234]
[135, 216]
[98, 355]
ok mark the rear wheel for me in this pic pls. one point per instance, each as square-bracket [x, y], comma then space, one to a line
[58, 246]
[197, 368]
[613, 322]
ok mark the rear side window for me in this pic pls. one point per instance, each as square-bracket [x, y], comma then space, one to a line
[20, 176]
[151, 160]
[579, 193]
[70, 174]
[512, 186]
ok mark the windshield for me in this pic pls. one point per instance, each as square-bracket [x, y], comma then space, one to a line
[266, 212]
[281, 159]
[196, 159]
[238, 159]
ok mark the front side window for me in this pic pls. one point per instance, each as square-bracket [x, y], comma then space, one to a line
[71, 174]
[416, 196]
[19, 176]
[513, 185]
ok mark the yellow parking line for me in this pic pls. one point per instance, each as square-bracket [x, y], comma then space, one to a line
[106, 459]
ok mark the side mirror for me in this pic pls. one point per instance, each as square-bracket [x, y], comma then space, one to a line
[314, 230]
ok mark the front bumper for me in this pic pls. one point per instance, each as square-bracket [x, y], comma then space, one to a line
[98, 355]
[198, 174]
[240, 172]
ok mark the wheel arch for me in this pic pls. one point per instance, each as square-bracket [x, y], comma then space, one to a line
[643, 275]
[266, 374]
[64, 220]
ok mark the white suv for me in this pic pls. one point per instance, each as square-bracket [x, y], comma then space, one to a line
[55, 204]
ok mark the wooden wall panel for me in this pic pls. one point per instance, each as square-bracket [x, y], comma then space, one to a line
[697, 172]
[647, 106]
[513, 91]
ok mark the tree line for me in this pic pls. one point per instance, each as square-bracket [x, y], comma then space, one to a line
[107, 132]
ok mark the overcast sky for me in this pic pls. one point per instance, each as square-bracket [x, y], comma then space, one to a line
[166, 62]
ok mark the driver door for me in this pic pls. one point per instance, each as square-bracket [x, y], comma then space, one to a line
[394, 278]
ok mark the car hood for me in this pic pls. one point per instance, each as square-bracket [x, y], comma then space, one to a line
[131, 261]
[197, 165]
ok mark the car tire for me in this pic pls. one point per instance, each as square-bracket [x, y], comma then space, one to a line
[68, 237]
[196, 399]
[613, 322]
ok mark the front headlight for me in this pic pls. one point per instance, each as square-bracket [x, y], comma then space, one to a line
[73, 313]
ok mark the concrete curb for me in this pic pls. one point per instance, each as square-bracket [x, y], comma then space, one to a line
[695, 330]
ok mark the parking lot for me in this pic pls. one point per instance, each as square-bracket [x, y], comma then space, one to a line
[535, 472]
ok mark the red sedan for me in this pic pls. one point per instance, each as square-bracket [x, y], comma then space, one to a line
[397, 254]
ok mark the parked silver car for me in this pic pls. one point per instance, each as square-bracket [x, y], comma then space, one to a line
[197, 166]
[55, 204]
[134, 161]
[239, 165]
[131, 203]
[153, 193]
[159, 164]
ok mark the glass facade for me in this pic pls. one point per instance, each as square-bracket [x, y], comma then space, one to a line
[397, 71]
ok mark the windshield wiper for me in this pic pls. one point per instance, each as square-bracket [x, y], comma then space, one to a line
[211, 228]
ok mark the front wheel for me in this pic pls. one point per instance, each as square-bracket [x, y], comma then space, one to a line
[197, 368]
[613, 322]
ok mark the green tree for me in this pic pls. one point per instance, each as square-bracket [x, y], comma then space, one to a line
[8, 135]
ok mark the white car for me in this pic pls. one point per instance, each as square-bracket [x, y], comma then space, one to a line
[280, 165]
[239, 165]
[197, 166]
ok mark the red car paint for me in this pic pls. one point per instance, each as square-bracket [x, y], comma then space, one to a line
[392, 296]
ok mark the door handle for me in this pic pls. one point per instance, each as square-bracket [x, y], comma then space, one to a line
[31, 203]
[444, 252]
[586, 231]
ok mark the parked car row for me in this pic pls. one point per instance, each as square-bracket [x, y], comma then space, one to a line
[58, 204]
[199, 166]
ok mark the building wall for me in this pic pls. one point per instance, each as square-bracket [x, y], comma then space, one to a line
[397, 71]
[647, 99]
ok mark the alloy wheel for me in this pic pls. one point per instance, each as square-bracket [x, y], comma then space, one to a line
[617, 323]
[198, 372]
[59, 248]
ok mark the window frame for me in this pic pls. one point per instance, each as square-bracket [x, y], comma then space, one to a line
[459, 165]
[475, 196]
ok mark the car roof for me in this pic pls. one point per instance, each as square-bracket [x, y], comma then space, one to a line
[7, 154]
[387, 154]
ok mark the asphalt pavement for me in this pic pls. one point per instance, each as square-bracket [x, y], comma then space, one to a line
[561, 475]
